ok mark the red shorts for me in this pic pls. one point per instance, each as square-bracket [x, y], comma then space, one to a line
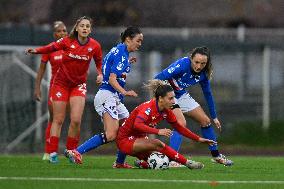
[125, 145]
[60, 93]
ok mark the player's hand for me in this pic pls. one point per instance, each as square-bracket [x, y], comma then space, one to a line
[165, 132]
[131, 93]
[37, 94]
[204, 140]
[132, 60]
[99, 79]
[30, 51]
[217, 124]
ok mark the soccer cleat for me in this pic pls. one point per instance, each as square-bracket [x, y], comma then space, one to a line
[53, 158]
[125, 165]
[141, 164]
[74, 156]
[45, 157]
[174, 164]
[221, 159]
[194, 164]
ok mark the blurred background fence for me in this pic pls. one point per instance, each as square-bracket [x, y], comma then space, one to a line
[248, 80]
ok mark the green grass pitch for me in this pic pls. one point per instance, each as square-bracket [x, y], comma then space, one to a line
[96, 172]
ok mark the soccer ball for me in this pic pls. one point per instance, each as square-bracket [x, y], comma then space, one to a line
[158, 160]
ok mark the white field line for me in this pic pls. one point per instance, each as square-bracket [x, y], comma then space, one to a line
[145, 180]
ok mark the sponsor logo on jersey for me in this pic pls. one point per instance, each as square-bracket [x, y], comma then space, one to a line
[79, 57]
[120, 66]
[147, 112]
[58, 57]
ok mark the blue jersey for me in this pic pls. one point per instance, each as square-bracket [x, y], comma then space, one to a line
[180, 75]
[116, 61]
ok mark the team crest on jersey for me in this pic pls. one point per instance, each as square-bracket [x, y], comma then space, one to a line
[58, 94]
[90, 49]
[147, 112]
[72, 46]
[120, 66]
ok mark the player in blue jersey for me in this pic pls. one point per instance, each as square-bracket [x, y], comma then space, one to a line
[182, 74]
[109, 99]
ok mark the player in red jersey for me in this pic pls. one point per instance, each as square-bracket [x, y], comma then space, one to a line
[55, 60]
[132, 135]
[69, 84]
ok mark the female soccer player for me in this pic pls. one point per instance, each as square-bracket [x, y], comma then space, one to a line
[132, 135]
[55, 60]
[108, 100]
[69, 84]
[182, 74]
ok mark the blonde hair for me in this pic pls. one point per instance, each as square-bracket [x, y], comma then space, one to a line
[158, 87]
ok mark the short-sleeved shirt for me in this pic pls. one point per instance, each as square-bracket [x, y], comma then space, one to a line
[116, 61]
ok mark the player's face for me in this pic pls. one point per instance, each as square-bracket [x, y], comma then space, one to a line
[199, 61]
[168, 101]
[84, 28]
[135, 43]
[60, 32]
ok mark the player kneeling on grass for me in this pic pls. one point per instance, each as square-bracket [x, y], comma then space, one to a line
[132, 135]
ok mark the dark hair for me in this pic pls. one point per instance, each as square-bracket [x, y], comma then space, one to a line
[158, 87]
[204, 51]
[130, 32]
[74, 34]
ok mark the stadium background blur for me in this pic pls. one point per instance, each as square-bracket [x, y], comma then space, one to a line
[246, 39]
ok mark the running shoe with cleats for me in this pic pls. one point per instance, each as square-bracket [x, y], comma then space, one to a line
[174, 164]
[125, 165]
[194, 164]
[45, 157]
[221, 159]
[141, 164]
[53, 158]
[74, 156]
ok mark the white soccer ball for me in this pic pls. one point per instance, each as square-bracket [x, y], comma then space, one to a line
[158, 160]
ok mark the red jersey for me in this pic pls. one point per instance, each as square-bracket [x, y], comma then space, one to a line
[55, 60]
[144, 118]
[76, 58]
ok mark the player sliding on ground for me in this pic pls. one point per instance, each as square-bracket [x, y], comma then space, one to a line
[132, 135]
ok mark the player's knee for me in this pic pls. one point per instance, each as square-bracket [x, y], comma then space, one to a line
[76, 122]
[58, 121]
[111, 137]
[205, 122]
[182, 122]
[158, 144]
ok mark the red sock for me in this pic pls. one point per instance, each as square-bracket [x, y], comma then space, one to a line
[173, 155]
[47, 138]
[53, 144]
[72, 143]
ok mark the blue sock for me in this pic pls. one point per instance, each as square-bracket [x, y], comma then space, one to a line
[209, 133]
[175, 140]
[120, 157]
[92, 143]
